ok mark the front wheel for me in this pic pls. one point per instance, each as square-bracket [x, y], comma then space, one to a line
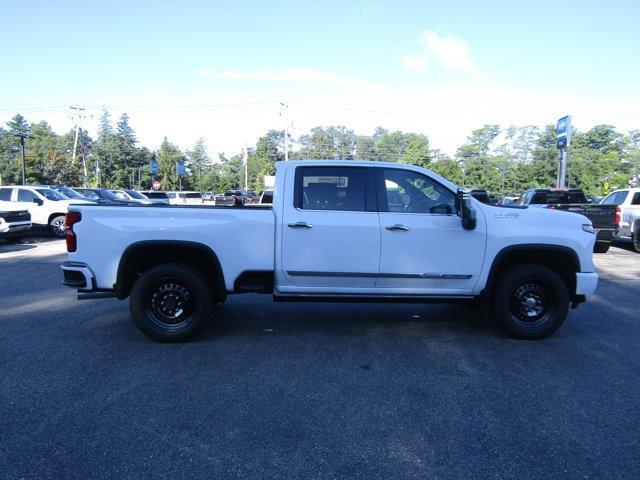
[170, 302]
[530, 301]
[56, 225]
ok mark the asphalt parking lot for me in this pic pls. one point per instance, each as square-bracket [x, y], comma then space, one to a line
[272, 390]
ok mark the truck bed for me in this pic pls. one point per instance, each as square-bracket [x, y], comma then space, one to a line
[241, 237]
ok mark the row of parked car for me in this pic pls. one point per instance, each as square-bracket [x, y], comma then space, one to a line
[615, 216]
[23, 207]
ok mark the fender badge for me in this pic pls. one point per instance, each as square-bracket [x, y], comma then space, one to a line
[511, 215]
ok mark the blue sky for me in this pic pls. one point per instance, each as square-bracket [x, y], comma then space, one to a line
[441, 68]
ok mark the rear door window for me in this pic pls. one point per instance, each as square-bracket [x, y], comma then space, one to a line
[331, 188]
[5, 194]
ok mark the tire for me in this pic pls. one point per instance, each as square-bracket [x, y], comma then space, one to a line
[601, 247]
[56, 225]
[635, 242]
[530, 301]
[171, 302]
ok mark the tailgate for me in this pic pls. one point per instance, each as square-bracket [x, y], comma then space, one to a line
[601, 216]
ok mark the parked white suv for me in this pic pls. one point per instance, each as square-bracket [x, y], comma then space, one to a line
[46, 206]
[628, 201]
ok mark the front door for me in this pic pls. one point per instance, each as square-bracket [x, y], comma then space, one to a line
[424, 248]
[330, 231]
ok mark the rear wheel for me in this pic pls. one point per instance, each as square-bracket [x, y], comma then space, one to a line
[530, 301]
[635, 238]
[170, 302]
[601, 247]
[56, 225]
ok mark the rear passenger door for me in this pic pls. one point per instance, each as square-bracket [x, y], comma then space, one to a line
[330, 231]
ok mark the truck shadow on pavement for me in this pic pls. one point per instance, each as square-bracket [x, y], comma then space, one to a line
[235, 317]
[15, 247]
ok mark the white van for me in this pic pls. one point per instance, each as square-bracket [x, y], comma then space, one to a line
[184, 198]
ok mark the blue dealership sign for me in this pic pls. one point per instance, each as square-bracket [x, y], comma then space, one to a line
[154, 166]
[180, 168]
[563, 132]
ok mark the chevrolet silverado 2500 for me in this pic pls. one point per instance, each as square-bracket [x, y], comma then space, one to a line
[337, 231]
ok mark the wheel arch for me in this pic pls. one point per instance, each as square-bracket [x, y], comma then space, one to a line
[140, 256]
[563, 260]
[54, 215]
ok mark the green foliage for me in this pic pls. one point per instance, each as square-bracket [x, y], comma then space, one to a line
[168, 157]
[600, 159]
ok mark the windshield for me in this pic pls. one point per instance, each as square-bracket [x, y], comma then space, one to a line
[68, 192]
[193, 195]
[136, 195]
[51, 194]
[107, 194]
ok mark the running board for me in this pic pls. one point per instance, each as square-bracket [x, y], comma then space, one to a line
[373, 298]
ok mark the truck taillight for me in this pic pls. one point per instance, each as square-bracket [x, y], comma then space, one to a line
[72, 241]
[618, 211]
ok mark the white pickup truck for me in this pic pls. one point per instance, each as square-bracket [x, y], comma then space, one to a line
[337, 231]
[628, 202]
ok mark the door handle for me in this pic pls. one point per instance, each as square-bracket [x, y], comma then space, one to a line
[397, 226]
[300, 225]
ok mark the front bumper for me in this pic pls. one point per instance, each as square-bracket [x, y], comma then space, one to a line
[586, 284]
[11, 228]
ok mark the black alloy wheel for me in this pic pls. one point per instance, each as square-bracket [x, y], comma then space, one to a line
[170, 302]
[529, 301]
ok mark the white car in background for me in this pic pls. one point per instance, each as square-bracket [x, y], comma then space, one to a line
[46, 206]
[185, 198]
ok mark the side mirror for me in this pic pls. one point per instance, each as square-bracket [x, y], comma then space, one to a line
[465, 209]
[38, 201]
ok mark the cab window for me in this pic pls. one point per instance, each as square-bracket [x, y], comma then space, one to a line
[5, 194]
[406, 191]
[331, 188]
[26, 195]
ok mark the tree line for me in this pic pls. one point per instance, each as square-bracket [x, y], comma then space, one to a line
[502, 161]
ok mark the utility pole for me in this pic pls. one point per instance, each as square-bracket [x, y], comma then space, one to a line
[283, 112]
[78, 116]
[245, 161]
[22, 136]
